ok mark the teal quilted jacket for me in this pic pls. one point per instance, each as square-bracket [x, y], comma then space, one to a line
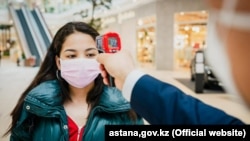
[43, 117]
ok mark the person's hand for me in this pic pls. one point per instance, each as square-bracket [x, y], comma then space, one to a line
[118, 65]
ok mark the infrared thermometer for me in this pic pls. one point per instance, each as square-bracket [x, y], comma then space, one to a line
[109, 43]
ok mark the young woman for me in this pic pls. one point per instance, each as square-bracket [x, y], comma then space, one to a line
[67, 99]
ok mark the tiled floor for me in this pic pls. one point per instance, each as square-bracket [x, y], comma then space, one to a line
[227, 102]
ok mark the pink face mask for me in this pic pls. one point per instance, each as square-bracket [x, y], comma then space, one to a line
[79, 72]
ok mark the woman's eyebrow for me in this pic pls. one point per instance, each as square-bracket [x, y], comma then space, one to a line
[73, 50]
[92, 48]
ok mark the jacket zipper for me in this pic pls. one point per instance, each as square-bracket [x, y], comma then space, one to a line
[95, 110]
[78, 133]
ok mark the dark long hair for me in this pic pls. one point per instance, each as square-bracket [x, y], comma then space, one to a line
[48, 69]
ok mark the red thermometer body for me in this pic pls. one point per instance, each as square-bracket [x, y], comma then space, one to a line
[109, 43]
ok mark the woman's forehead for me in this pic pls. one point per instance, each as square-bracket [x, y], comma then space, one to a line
[79, 41]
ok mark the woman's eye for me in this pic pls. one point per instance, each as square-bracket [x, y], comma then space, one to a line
[91, 54]
[71, 56]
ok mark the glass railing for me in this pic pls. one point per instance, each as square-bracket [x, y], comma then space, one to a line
[3, 5]
[59, 6]
[63, 7]
[49, 6]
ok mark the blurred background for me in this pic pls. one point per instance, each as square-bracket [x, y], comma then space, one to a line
[174, 29]
[163, 36]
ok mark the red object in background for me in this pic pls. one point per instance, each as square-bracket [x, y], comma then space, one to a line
[109, 42]
[196, 46]
[30, 62]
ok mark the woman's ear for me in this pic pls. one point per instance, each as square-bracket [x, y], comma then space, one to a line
[58, 62]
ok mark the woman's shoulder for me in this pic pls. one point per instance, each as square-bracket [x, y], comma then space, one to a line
[47, 91]
[112, 97]
[46, 87]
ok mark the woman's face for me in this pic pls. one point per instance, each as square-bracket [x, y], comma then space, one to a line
[77, 45]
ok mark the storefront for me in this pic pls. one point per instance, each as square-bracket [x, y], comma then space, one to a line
[154, 34]
[189, 36]
[146, 42]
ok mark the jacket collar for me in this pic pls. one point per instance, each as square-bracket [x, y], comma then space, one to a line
[47, 94]
[113, 100]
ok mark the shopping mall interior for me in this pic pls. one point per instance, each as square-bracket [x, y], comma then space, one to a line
[162, 35]
[177, 32]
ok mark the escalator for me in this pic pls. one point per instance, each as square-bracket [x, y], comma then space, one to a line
[32, 31]
[42, 26]
[32, 46]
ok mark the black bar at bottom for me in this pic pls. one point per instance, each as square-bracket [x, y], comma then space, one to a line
[180, 132]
